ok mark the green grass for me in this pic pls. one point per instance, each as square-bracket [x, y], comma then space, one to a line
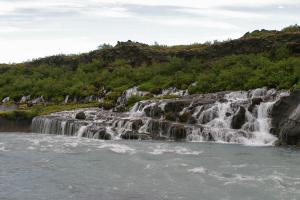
[31, 112]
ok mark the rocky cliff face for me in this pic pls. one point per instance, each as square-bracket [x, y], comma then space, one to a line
[286, 119]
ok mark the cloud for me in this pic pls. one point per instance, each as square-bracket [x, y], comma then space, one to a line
[165, 21]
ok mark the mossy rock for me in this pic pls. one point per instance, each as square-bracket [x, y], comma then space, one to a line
[106, 105]
[171, 116]
[185, 117]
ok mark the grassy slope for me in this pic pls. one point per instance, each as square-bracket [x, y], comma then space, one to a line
[260, 58]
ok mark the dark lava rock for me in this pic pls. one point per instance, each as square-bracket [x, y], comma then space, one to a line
[254, 102]
[102, 134]
[286, 119]
[239, 119]
[185, 117]
[80, 116]
[130, 135]
[171, 116]
[153, 111]
[228, 114]
[137, 124]
[178, 132]
[176, 106]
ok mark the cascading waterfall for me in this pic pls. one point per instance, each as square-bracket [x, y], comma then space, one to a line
[81, 131]
[236, 117]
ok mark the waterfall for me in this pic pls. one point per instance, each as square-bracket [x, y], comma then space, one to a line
[81, 131]
[231, 117]
[263, 125]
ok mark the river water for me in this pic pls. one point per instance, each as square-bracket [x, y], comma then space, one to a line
[36, 167]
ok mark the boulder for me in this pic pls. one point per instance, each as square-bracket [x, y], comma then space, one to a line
[80, 116]
[102, 134]
[254, 102]
[239, 119]
[130, 135]
[286, 119]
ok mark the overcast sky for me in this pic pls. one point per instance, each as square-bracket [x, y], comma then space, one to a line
[37, 28]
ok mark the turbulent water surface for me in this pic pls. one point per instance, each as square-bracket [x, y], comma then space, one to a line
[48, 167]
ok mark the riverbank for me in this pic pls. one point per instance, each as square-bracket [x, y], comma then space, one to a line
[20, 118]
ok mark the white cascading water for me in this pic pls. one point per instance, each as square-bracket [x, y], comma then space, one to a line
[213, 121]
[81, 131]
[263, 123]
[219, 117]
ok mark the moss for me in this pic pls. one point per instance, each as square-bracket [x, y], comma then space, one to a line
[45, 110]
[134, 99]
[28, 113]
[171, 116]
[107, 105]
[18, 115]
[185, 117]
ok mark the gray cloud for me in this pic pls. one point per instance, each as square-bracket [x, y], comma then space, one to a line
[34, 28]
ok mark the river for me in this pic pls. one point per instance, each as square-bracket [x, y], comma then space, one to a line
[47, 167]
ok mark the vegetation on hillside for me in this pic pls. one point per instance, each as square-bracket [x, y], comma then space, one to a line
[261, 58]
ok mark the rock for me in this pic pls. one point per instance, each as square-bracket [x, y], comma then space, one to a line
[158, 128]
[259, 92]
[80, 116]
[153, 111]
[239, 119]
[130, 135]
[102, 134]
[6, 100]
[136, 124]
[208, 115]
[227, 114]
[38, 100]
[192, 120]
[286, 119]
[185, 117]
[171, 116]
[176, 105]
[122, 100]
[25, 99]
[106, 105]
[254, 102]
[178, 132]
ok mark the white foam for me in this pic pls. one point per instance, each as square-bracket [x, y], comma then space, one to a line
[3, 149]
[177, 150]
[198, 170]
[117, 148]
[31, 148]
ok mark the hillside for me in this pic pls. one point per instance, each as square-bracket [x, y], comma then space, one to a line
[260, 58]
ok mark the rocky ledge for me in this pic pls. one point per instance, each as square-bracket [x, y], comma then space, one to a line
[256, 117]
[286, 119]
